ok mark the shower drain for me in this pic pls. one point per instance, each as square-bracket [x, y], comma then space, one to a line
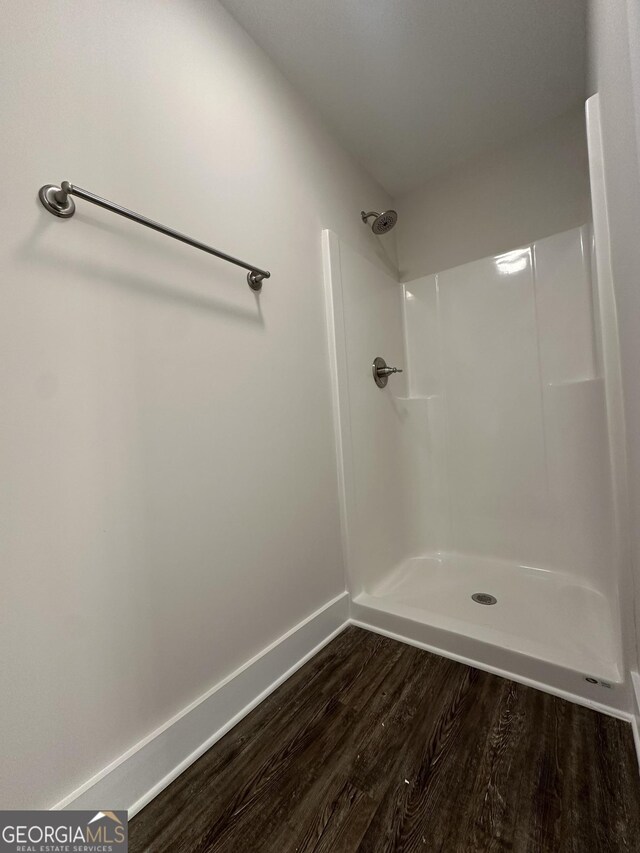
[484, 598]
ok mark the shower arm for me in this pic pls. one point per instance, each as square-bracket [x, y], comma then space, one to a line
[57, 201]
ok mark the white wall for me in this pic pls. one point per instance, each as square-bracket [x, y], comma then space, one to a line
[533, 188]
[615, 73]
[169, 500]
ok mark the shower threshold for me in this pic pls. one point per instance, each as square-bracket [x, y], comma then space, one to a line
[545, 627]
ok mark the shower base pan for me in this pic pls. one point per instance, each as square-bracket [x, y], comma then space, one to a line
[546, 628]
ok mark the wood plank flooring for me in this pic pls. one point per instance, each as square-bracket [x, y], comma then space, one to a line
[377, 746]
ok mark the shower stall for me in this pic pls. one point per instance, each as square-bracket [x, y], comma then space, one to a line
[478, 486]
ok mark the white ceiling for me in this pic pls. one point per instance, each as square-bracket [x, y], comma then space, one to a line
[412, 87]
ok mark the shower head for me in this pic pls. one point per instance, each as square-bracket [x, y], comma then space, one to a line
[383, 222]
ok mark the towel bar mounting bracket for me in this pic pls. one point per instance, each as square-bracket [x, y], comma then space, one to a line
[51, 198]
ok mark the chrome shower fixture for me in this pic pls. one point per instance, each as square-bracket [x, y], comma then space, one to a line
[381, 372]
[383, 222]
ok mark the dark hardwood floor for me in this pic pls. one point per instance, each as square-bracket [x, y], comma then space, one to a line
[377, 746]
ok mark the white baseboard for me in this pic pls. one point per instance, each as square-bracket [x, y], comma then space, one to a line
[137, 776]
[142, 772]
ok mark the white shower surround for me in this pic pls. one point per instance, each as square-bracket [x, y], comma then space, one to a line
[486, 466]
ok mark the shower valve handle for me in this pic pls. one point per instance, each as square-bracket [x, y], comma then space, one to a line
[381, 372]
